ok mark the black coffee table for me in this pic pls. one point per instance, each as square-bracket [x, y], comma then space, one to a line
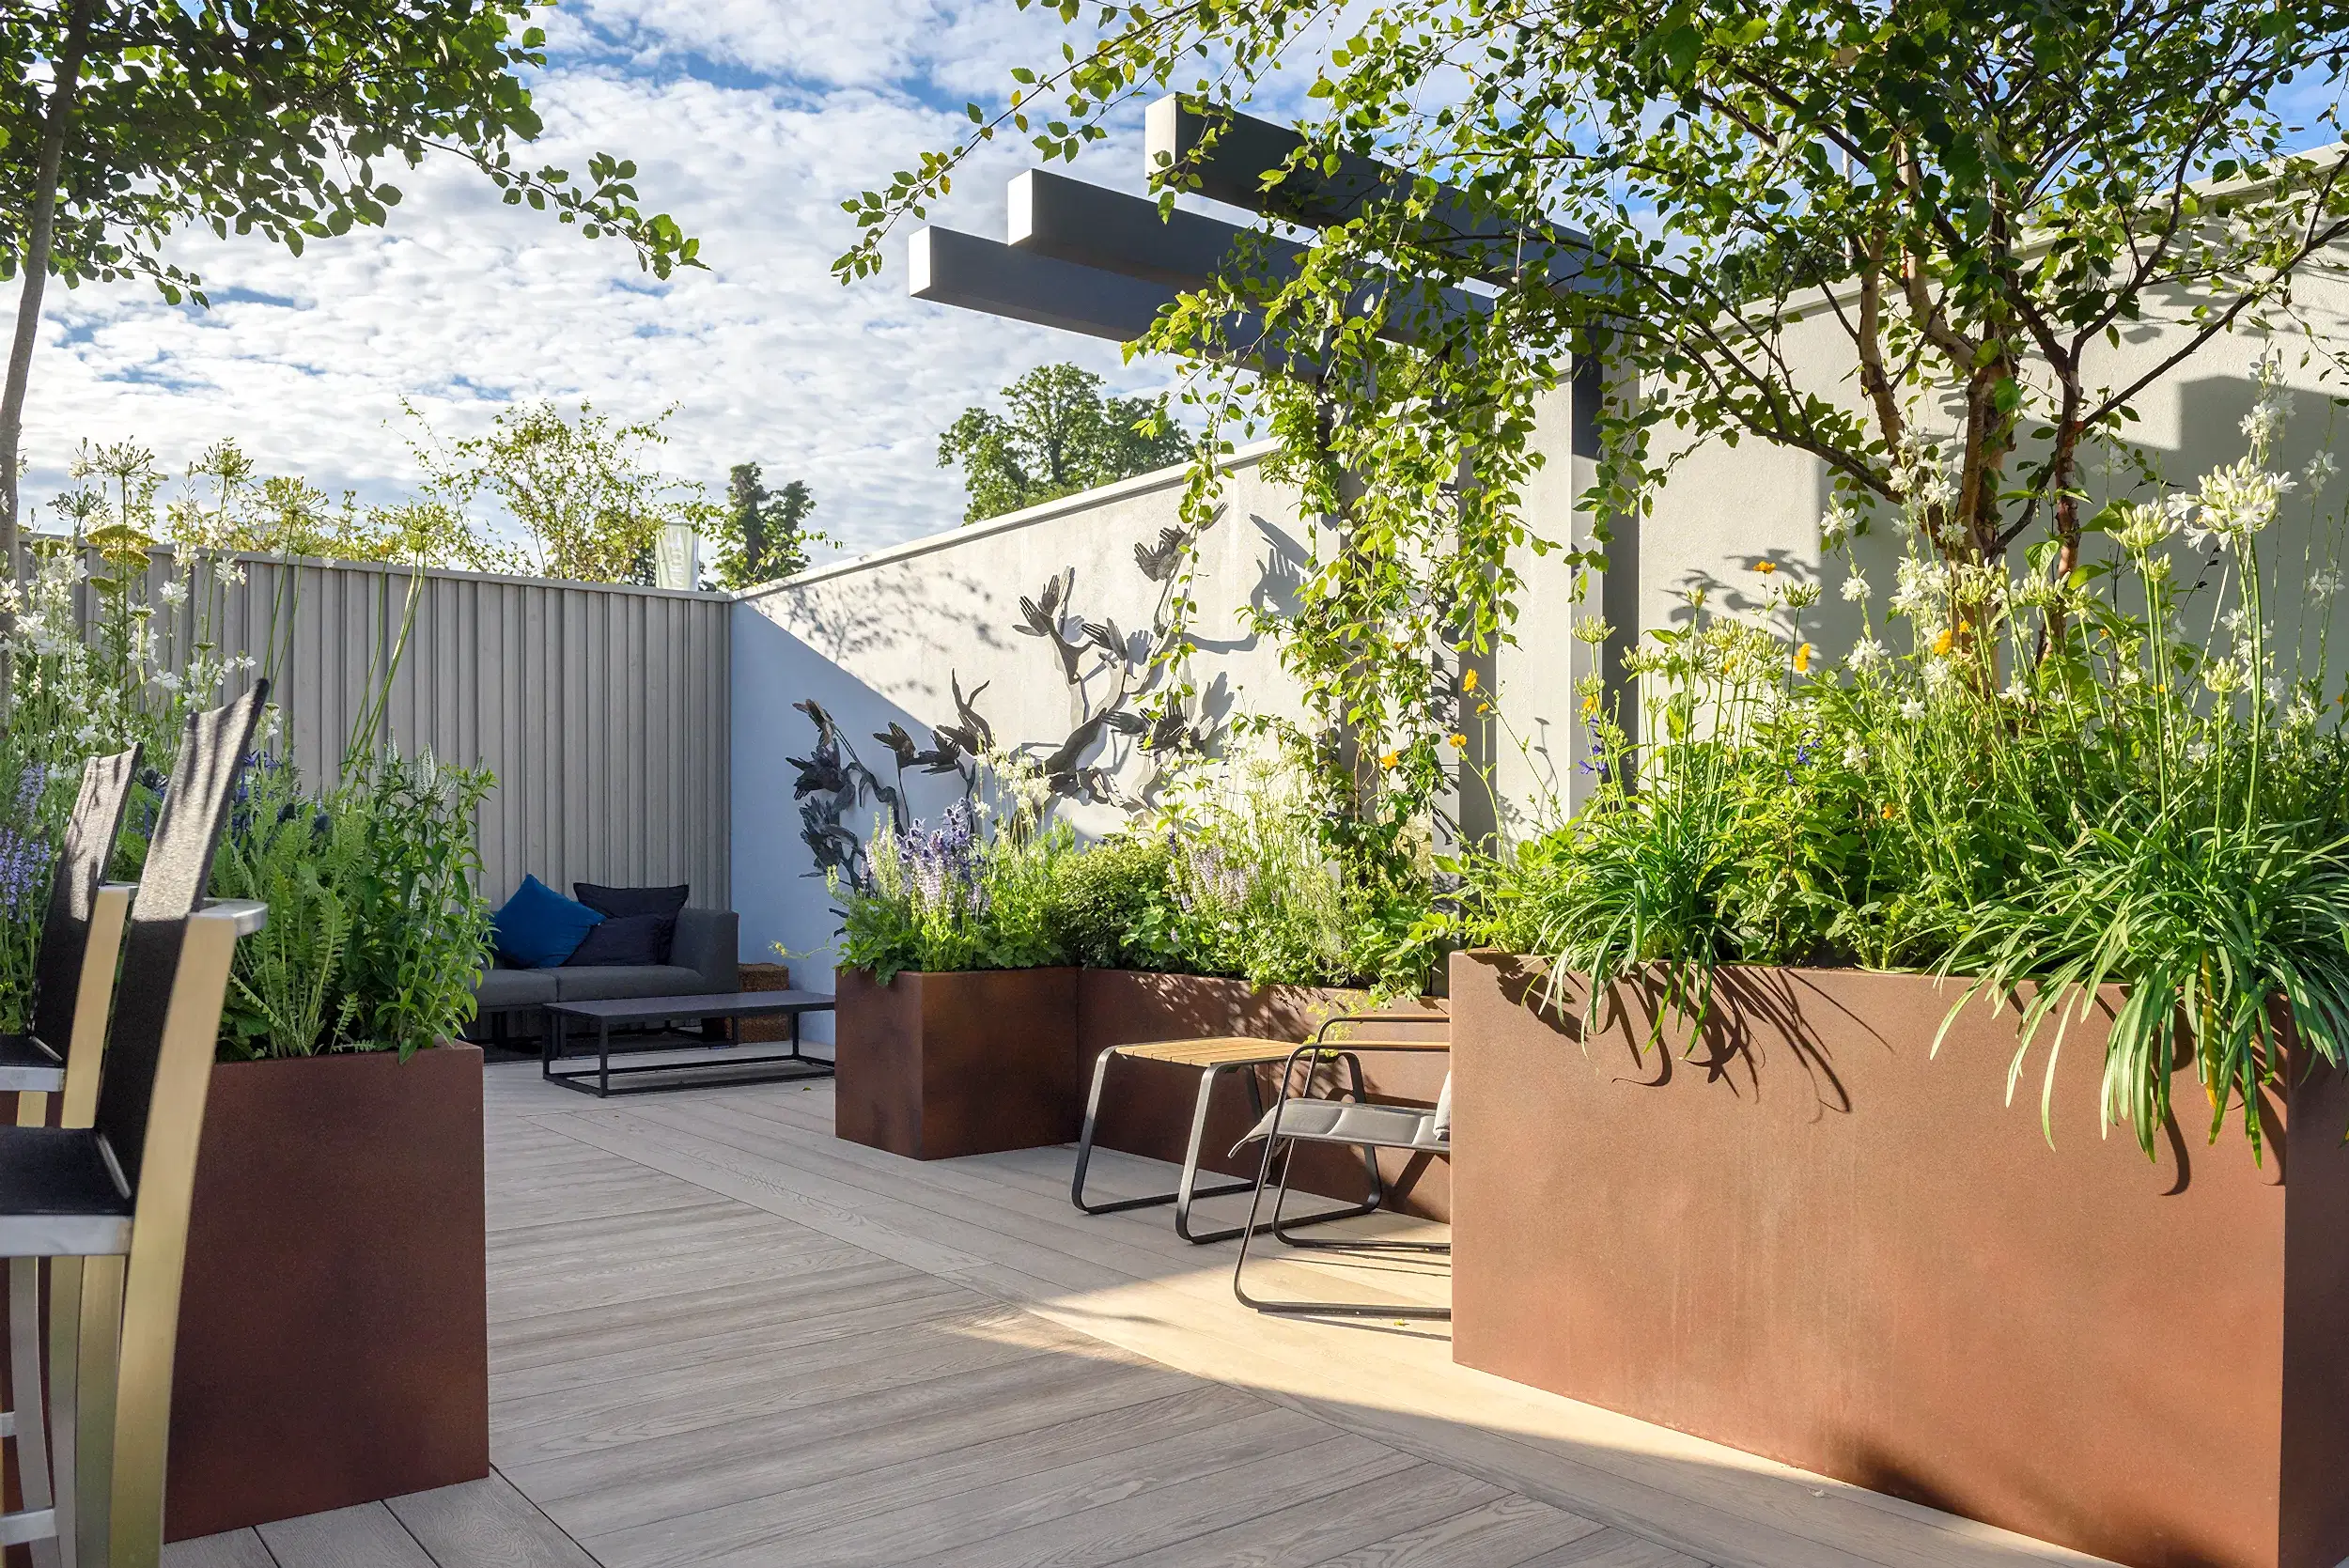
[712, 1072]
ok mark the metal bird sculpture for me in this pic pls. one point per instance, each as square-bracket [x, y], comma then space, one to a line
[1041, 617]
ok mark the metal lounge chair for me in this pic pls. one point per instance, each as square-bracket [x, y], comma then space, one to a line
[81, 938]
[108, 1202]
[1301, 1118]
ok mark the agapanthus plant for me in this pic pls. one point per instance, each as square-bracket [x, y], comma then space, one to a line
[2043, 782]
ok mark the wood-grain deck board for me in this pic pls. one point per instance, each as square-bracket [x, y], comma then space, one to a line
[719, 1336]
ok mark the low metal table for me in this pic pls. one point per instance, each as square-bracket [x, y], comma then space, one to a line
[714, 1072]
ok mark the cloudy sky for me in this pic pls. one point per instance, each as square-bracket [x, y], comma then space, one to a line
[748, 120]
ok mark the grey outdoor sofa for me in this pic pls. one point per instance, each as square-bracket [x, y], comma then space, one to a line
[702, 958]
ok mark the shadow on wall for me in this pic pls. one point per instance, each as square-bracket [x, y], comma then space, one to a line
[879, 612]
[2307, 537]
[778, 891]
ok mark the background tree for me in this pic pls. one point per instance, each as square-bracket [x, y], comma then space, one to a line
[1060, 436]
[761, 535]
[1982, 196]
[123, 121]
[584, 493]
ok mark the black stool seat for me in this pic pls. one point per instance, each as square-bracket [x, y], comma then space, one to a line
[60, 1196]
[28, 1066]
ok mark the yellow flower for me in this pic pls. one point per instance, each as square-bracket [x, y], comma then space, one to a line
[1484, 708]
[1802, 657]
[1765, 568]
[1390, 759]
[1941, 644]
[1460, 742]
[1590, 705]
[1468, 680]
[1888, 812]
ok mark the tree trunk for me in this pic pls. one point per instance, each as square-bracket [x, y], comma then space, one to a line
[40, 235]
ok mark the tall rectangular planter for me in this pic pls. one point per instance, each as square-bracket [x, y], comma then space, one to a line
[1148, 1105]
[936, 1065]
[333, 1324]
[1806, 1235]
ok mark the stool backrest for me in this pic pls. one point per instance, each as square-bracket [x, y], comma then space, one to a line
[82, 857]
[179, 868]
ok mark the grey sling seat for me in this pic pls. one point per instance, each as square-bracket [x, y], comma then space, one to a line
[107, 1202]
[34, 1061]
[1298, 1116]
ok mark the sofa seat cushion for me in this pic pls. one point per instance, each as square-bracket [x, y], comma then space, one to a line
[603, 982]
[502, 987]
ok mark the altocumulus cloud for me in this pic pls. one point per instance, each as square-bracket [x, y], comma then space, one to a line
[749, 122]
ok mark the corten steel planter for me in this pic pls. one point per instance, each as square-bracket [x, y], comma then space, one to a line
[1147, 1106]
[933, 1065]
[333, 1326]
[1812, 1239]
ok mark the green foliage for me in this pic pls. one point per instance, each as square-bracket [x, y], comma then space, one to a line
[584, 491]
[1110, 904]
[375, 933]
[282, 118]
[1229, 880]
[761, 535]
[1965, 205]
[975, 893]
[2117, 778]
[1061, 436]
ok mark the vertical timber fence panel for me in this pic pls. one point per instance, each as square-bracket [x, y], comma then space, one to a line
[603, 709]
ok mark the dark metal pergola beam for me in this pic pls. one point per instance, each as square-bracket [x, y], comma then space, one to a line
[1231, 167]
[1094, 227]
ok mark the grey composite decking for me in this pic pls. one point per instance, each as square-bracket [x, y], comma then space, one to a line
[717, 1336]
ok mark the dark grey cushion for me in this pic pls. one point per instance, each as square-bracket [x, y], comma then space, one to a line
[622, 940]
[620, 903]
[601, 982]
[502, 987]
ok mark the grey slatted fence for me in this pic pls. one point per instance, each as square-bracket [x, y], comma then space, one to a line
[603, 709]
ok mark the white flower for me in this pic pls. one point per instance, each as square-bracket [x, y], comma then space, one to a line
[175, 592]
[167, 679]
[1938, 673]
[2016, 691]
[2234, 619]
[1917, 587]
[2322, 586]
[2321, 468]
[1835, 525]
[2235, 501]
[1856, 588]
[2302, 712]
[1867, 653]
[1855, 756]
[1913, 709]
[233, 574]
[2130, 675]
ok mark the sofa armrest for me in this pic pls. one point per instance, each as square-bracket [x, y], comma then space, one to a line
[710, 941]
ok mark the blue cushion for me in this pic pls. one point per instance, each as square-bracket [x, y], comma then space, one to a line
[538, 928]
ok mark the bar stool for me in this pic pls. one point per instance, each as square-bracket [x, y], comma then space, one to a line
[81, 936]
[108, 1202]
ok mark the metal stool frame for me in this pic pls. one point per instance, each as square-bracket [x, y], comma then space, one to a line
[1187, 1189]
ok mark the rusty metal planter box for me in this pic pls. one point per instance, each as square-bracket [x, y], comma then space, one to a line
[333, 1325]
[1809, 1237]
[934, 1065]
